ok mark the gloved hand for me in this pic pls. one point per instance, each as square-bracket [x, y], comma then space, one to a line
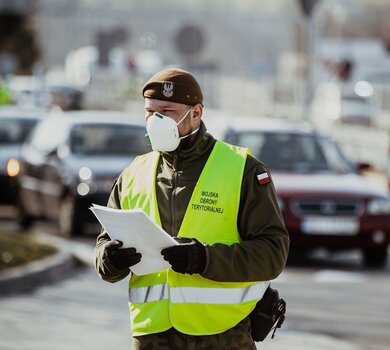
[188, 257]
[121, 258]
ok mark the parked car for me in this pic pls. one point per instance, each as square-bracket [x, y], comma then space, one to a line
[67, 96]
[324, 200]
[46, 92]
[334, 103]
[70, 161]
[357, 109]
[15, 124]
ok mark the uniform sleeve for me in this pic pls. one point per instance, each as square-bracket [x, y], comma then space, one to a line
[103, 267]
[263, 253]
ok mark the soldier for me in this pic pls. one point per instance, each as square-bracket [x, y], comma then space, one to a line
[220, 204]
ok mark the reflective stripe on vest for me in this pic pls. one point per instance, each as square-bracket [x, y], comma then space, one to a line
[148, 294]
[211, 217]
[197, 295]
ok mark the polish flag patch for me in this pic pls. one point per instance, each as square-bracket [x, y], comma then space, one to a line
[263, 178]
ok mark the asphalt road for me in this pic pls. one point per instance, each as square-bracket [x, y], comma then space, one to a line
[328, 295]
[334, 295]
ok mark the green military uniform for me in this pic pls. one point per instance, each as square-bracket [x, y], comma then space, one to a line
[260, 257]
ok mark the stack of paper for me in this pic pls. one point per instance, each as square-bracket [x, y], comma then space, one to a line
[135, 229]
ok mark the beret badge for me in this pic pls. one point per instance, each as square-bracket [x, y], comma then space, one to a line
[168, 88]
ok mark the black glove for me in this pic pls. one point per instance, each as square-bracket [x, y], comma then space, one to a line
[121, 258]
[188, 257]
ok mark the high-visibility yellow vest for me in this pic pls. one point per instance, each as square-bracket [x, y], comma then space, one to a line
[192, 304]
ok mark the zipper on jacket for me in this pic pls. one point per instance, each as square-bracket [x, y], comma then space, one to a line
[174, 184]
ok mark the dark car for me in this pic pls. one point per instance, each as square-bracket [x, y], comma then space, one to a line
[324, 200]
[70, 161]
[48, 92]
[68, 97]
[15, 124]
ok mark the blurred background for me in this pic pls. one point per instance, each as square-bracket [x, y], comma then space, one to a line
[324, 63]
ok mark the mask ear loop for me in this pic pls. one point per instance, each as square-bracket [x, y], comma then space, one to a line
[185, 115]
[192, 133]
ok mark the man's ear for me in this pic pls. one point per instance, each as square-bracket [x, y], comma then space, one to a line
[197, 112]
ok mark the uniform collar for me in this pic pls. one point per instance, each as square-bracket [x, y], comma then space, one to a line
[199, 144]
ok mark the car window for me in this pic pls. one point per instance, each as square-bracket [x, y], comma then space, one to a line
[335, 158]
[108, 139]
[15, 131]
[293, 152]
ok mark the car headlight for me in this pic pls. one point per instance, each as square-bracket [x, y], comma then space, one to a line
[85, 179]
[13, 167]
[379, 207]
[83, 189]
[85, 174]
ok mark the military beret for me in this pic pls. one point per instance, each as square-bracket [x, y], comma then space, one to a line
[176, 85]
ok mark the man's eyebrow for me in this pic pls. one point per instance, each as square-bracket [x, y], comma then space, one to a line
[167, 105]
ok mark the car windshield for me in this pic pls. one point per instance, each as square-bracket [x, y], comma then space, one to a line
[15, 130]
[108, 139]
[298, 153]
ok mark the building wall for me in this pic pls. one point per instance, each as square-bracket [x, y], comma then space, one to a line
[234, 40]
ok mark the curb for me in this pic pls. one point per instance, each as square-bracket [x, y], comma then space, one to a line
[35, 274]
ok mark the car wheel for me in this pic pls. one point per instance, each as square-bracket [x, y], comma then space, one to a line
[375, 257]
[68, 222]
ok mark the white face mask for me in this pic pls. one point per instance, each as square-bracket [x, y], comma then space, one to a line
[163, 132]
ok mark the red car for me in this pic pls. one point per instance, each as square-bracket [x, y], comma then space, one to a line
[324, 200]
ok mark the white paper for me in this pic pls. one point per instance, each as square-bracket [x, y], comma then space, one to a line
[135, 229]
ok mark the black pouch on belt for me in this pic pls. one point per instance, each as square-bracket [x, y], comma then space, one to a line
[268, 314]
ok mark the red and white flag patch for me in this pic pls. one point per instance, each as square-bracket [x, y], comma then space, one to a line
[263, 178]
